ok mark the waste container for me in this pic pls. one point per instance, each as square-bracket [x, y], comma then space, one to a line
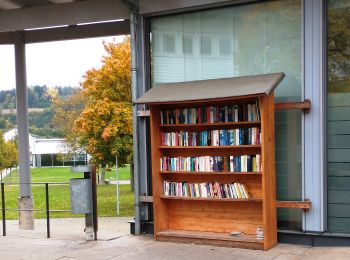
[84, 200]
[80, 196]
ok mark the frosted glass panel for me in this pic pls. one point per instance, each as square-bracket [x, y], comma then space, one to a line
[338, 116]
[242, 40]
[236, 41]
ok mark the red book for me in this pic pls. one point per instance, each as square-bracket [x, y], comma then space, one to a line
[208, 114]
[162, 138]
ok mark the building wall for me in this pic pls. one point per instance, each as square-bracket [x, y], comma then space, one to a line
[240, 40]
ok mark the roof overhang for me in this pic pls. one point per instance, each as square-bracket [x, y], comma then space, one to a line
[56, 13]
[212, 89]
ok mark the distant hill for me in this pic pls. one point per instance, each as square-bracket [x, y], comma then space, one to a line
[40, 110]
[38, 96]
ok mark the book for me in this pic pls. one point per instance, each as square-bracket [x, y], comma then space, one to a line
[212, 114]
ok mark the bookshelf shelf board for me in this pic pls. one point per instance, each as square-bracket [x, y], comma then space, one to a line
[234, 147]
[211, 126]
[211, 173]
[210, 199]
[209, 235]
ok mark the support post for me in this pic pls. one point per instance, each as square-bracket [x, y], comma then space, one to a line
[26, 218]
[47, 210]
[3, 210]
[117, 179]
[134, 69]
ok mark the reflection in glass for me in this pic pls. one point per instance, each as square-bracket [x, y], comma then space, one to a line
[338, 115]
[243, 40]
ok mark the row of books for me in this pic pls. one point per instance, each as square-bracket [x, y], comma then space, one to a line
[206, 190]
[192, 164]
[223, 137]
[243, 163]
[212, 114]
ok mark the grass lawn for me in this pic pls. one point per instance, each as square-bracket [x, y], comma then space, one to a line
[64, 174]
[60, 195]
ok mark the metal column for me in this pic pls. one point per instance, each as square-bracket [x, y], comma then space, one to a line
[26, 216]
[22, 115]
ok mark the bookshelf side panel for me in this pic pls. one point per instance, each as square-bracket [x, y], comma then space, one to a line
[268, 170]
[159, 206]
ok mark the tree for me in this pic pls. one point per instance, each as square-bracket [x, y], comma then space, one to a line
[8, 154]
[104, 127]
[338, 43]
[66, 111]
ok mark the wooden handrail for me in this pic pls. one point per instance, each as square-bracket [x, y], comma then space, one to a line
[306, 105]
[306, 204]
[279, 203]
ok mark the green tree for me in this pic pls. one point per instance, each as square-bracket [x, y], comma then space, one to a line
[104, 128]
[338, 43]
[8, 154]
[66, 111]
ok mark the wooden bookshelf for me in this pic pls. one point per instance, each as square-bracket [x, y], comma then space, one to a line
[202, 213]
[210, 220]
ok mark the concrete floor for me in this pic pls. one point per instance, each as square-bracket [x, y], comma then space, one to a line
[114, 242]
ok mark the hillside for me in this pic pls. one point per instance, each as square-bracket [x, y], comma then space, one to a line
[40, 111]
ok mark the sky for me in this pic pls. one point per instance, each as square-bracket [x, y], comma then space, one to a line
[61, 63]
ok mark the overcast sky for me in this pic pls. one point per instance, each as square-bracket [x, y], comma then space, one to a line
[60, 63]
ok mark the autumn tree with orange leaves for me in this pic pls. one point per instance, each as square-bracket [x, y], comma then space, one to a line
[104, 127]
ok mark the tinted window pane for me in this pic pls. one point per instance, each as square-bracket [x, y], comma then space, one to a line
[338, 116]
[244, 40]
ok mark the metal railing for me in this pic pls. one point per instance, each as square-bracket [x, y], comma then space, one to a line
[47, 204]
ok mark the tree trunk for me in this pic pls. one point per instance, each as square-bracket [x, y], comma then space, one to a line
[132, 176]
[103, 176]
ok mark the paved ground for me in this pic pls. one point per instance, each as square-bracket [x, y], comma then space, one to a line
[114, 242]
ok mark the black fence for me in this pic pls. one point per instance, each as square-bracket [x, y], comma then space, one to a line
[47, 204]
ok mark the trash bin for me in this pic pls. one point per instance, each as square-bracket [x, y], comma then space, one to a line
[81, 196]
[84, 200]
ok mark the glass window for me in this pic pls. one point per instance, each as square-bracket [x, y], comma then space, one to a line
[241, 40]
[188, 44]
[206, 45]
[46, 160]
[225, 45]
[169, 43]
[338, 115]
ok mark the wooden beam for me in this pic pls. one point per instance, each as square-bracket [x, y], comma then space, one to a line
[279, 203]
[146, 199]
[143, 113]
[294, 204]
[74, 13]
[306, 105]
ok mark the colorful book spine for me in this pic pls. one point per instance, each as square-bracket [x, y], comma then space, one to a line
[213, 114]
[244, 163]
[206, 190]
[223, 137]
[192, 164]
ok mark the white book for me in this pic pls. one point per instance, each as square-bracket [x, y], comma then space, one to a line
[226, 114]
[203, 188]
[235, 109]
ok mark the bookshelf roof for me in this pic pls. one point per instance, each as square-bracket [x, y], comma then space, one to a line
[212, 89]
